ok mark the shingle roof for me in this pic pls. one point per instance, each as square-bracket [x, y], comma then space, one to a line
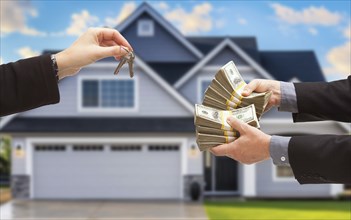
[100, 125]
[286, 65]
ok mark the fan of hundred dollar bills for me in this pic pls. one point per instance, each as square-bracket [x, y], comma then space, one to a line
[223, 99]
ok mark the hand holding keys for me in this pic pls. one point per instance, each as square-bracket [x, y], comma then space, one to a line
[128, 58]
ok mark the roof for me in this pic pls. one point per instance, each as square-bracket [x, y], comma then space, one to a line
[91, 124]
[206, 44]
[287, 65]
[145, 7]
[226, 42]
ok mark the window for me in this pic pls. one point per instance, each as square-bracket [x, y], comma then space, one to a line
[203, 84]
[145, 28]
[108, 93]
[163, 148]
[126, 148]
[284, 171]
[88, 148]
[50, 148]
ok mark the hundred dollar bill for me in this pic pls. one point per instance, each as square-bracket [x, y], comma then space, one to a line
[210, 117]
[214, 131]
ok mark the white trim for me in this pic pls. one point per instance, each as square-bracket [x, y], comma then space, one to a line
[145, 7]
[249, 180]
[336, 189]
[277, 178]
[30, 142]
[213, 53]
[146, 33]
[5, 120]
[199, 87]
[82, 109]
[295, 80]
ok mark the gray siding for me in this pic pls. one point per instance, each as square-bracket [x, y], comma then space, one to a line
[154, 101]
[226, 55]
[162, 47]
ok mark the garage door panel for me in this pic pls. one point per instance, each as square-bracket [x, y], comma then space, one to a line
[131, 172]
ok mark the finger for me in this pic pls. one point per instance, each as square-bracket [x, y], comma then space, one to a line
[220, 150]
[237, 124]
[115, 51]
[249, 88]
[108, 43]
[106, 34]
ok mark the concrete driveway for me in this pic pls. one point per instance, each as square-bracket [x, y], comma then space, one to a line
[21, 209]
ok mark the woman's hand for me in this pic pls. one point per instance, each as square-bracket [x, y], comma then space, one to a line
[93, 45]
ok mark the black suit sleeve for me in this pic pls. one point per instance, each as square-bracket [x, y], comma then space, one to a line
[27, 84]
[322, 158]
[318, 101]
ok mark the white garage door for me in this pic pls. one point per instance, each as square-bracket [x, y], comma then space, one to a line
[106, 171]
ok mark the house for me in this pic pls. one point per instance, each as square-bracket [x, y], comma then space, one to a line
[112, 137]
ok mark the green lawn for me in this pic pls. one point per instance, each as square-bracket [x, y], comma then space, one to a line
[271, 210]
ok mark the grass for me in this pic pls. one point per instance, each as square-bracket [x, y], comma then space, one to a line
[272, 210]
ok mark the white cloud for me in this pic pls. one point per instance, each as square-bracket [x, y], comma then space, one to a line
[242, 21]
[309, 16]
[80, 22]
[196, 21]
[1, 61]
[26, 52]
[161, 6]
[313, 31]
[339, 57]
[347, 31]
[14, 15]
[126, 10]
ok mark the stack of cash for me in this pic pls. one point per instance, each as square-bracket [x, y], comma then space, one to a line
[212, 128]
[223, 99]
[225, 91]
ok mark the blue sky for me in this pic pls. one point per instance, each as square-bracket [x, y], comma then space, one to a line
[29, 27]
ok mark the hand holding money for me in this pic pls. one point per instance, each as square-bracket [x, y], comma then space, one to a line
[264, 85]
[212, 128]
[251, 147]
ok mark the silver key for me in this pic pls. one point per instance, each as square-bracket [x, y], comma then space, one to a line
[130, 64]
[121, 63]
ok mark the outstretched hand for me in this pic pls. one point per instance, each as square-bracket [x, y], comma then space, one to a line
[251, 147]
[93, 45]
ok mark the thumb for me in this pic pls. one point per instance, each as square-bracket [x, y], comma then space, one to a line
[115, 51]
[237, 124]
[249, 88]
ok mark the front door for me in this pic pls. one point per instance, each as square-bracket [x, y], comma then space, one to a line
[221, 175]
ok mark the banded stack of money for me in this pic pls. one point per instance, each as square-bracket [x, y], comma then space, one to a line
[212, 128]
[225, 90]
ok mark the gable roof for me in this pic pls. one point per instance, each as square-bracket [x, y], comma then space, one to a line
[146, 8]
[206, 44]
[226, 42]
[287, 65]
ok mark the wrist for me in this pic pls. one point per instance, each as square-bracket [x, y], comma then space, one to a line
[277, 94]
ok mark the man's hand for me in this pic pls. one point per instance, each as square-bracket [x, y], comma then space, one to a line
[264, 85]
[251, 147]
[93, 45]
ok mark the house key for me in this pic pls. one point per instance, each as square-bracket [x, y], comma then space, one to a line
[129, 57]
